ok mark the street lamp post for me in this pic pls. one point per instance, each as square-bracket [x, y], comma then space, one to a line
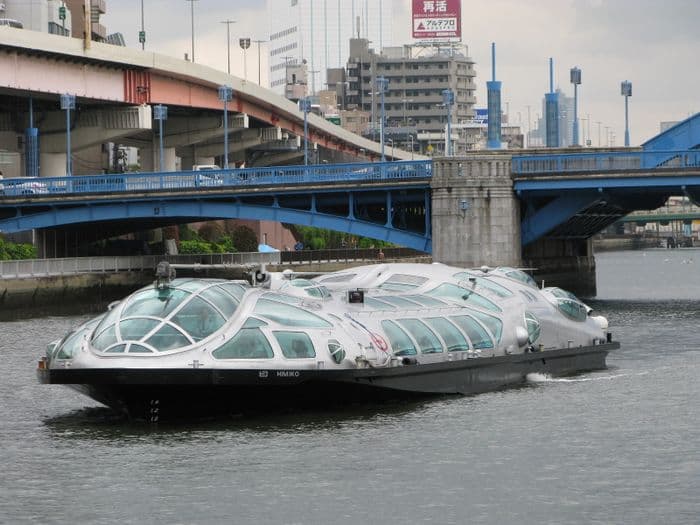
[245, 44]
[305, 106]
[160, 113]
[68, 103]
[448, 100]
[142, 33]
[382, 83]
[405, 122]
[192, 18]
[228, 43]
[225, 95]
[259, 68]
[576, 81]
[626, 91]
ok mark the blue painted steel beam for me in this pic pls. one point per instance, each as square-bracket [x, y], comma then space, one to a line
[203, 210]
[557, 212]
[550, 185]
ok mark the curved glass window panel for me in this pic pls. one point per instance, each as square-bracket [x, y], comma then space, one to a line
[139, 349]
[223, 301]
[236, 290]
[399, 301]
[424, 336]
[289, 315]
[344, 277]
[453, 338]
[168, 338]
[479, 337]
[336, 350]
[521, 276]
[398, 287]
[402, 278]
[252, 322]
[199, 319]
[533, 326]
[117, 349]
[106, 338]
[401, 344]
[301, 283]
[191, 285]
[485, 283]
[154, 302]
[289, 299]
[572, 309]
[295, 345]
[136, 329]
[69, 348]
[108, 320]
[319, 292]
[459, 294]
[378, 305]
[494, 324]
[529, 296]
[425, 300]
[248, 343]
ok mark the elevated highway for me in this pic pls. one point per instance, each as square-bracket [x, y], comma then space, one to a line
[116, 88]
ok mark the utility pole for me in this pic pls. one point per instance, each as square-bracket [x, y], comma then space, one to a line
[259, 63]
[192, 17]
[228, 42]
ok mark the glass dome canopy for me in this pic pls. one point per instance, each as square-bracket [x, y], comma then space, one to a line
[156, 320]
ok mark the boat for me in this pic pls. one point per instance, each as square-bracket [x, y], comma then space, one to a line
[191, 347]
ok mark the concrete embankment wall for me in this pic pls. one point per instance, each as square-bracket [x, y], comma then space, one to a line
[66, 294]
[92, 292]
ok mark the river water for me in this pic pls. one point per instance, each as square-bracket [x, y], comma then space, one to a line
[617, 446]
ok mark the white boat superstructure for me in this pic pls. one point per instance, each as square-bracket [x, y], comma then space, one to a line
[377, 321]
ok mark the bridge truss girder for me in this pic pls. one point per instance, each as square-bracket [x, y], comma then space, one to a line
[400, 217]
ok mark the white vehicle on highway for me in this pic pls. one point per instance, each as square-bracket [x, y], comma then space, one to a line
[23, 186]
[208, 179]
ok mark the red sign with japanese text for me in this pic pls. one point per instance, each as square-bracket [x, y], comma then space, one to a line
[437, 19]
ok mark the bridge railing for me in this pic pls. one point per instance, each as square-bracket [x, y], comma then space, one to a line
[80, 265]
[606, 161]
[218, 178]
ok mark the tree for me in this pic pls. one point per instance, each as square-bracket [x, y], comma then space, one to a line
[244, 239]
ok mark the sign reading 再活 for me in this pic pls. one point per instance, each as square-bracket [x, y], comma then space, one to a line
[437, 19]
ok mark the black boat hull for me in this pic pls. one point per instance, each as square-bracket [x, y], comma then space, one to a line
[160, 394]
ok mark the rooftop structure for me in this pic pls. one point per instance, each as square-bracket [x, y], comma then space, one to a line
[417, 76]
[317, 33]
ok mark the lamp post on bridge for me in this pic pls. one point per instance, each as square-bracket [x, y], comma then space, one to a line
[192, 18]
[448, 100]
[305, 106]
[160, 113]
[245, 44]
[228, 43]
[576, 81]
[225, 95]
[142, 33]
[382, 84]
[626, 91]
[68, 103]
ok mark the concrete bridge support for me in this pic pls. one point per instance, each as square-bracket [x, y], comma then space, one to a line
[566, 263]
[476, 221]
[475, 215]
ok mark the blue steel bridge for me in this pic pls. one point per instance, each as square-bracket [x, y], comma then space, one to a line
[570, 195]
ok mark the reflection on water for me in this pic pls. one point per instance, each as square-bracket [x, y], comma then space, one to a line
[615, 446]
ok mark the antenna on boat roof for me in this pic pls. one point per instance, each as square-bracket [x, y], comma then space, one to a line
[164, 275]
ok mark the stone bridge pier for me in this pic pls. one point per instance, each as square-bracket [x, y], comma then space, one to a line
[476, 221]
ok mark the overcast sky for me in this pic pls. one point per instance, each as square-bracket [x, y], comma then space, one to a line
[651, 43]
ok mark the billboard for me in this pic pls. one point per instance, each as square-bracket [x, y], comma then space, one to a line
[437, 19]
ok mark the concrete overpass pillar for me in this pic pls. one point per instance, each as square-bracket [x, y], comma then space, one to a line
[52, 164]
[475, 214]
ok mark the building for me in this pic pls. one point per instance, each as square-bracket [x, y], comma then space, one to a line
[38, 15]
[415, 117]
[98, 32]
[317, 31]
[538, 136]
